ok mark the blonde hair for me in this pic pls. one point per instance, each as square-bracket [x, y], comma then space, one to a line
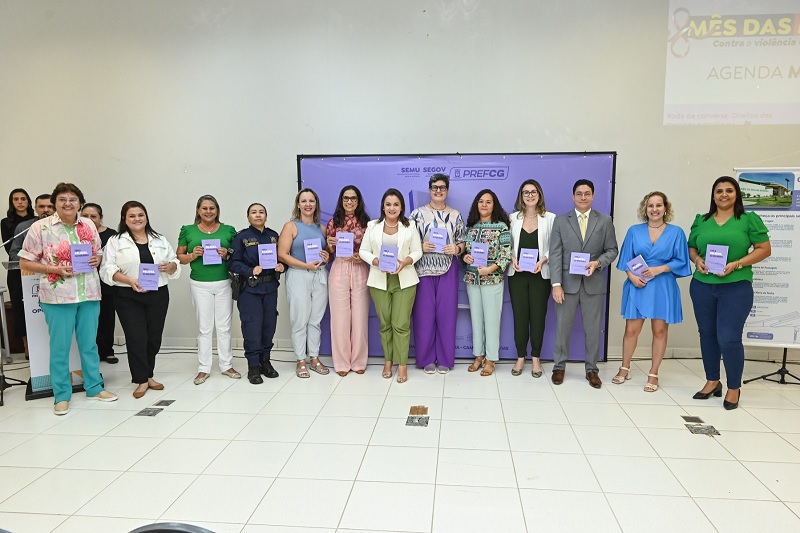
[643, 206]
[296, 210]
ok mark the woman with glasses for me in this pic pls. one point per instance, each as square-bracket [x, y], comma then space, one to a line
[441, 230]
[209, 286]
[348, 295]
[528, 287]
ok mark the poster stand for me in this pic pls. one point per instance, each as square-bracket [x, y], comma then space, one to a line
[782, 372]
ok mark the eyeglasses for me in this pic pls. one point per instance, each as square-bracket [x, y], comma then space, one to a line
[438, 188]
[583, 194]
[67, 200]
[527, 194]
[349, 198]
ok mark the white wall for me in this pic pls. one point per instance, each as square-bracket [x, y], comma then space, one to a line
[163, 101]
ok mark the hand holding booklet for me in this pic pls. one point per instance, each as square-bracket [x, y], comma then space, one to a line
[716, 258]
[79, 255]
[636, 266]
[148, 276]
[578, 261]
[313, 247]
[438, 237]
[267, 256]
[528, 258]
[480, 254]
[344, 244]
[387, 262]
[210, 254]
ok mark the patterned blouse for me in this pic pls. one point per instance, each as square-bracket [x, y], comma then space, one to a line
[497, 236]
[433, 264]
[48, 242]
[350, 226]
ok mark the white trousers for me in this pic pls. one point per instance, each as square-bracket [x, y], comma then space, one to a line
[307, 292]
[213, 304]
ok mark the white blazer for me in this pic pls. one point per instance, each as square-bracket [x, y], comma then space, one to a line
[408, 245]
[545, 227]
[122, 255]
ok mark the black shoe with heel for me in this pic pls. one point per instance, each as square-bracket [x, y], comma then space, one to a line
[730, 406]
[700, 395]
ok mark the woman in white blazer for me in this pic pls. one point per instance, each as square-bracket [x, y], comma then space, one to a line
[393, 287]
[531, 224]
[141, 311]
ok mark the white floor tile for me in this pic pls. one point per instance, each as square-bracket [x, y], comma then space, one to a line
[284, 428]
[635, 475]
[557, 511]
[779, 421]
[681, 443]
[477, 468]
[533, 412]
[628, 442]
[399, 406]
[238, 402]
[557, 471]
[421, 386]
[736, 420]
[185, 400]
[225, 426]
[251, 458]
[543, 438]
[706, 478]
[162, 425]
[400, 464]
[9, 441]
[658, 514]
[340, 430]
[34, 420]
[470, 435]
[64, 491]
[16, 478]
[576, 389]
[45, 451]
[352, 405]
[295, 404]
[316, 384]
[395, 432]
[482, 410]
[180, 456]
[389, 506]
[143, 495]
[90, 422]
[632, 393]
[588, 414]
[759, 447]
[324, 461]
[781, 478]
[529, 389]
[288, 529]
[303, 503]
[33, 522]
[111, 453]
[480, 387]
[82, 524]
[741, 516]
[367, 384]
[656, 416]
[499, 510]
[194, 504]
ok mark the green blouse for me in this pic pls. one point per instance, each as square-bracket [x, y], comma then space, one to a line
[191, 236]
[737, 234]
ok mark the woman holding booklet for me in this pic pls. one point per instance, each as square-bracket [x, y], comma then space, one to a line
[204, 246]
[65, 249]
[441, 230]
[488, 254]
[724, 244]
[302, 246]
[391, 246]
[138, 263]
[255, 258]
[654, 255]
[529, 277]
[347, 283]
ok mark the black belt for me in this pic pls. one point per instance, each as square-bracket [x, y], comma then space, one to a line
[252, 281]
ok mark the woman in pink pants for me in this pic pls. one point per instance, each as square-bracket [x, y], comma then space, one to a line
[348, 296]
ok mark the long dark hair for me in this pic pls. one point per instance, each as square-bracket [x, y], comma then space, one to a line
[498, 214]
[738, 204]
[361, 214]
[123, 227]
[394, 192]
[13, 217]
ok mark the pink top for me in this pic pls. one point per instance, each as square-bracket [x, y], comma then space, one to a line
[350, 226]
[47, 243]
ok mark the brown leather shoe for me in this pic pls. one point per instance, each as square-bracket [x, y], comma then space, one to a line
[594, 380]
[558, 377]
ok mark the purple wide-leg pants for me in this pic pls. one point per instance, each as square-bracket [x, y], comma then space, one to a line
[434, 319]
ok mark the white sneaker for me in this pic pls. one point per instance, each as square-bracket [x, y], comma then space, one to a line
[430, 369]
[442, 369]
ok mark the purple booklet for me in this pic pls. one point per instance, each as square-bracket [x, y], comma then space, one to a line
[438, 236]
[480, 254]
[313, 247]
[578, 262]
[387, 262]
[267, 256]
[210, 254]
[528, 257]
[79, 255]
[636, 265]
[344, 244]
[148, 276]
[716, 258]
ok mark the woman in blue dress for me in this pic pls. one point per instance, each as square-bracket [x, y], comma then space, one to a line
[652, 293]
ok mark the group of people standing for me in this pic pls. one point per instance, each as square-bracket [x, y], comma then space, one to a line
[407, 264]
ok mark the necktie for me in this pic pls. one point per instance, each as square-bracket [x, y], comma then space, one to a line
[582, 224]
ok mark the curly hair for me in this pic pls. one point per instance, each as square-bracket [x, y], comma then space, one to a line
[642, 212]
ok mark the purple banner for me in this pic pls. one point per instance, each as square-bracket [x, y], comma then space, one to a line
[503, 173]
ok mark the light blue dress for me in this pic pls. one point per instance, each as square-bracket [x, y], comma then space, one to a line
[661, 297]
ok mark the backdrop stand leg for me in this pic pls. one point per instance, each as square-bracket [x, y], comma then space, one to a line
[782, 372]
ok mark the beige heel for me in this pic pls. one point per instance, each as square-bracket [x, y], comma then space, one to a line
[619, 380]
[651, 387]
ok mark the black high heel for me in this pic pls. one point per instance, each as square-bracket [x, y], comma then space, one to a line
[730, 406]
[700, 395]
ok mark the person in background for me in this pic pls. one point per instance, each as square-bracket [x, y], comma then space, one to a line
[70, 300]
[652, 293]
[393, 291]
[306, 280]
[20, 209]
[209, 285]
[44, 208]
[436, 305]
[258, 300]
[108, 320]
[531, 225]
[347, 286]
[141, 312]
[723, 301]
[487, 224]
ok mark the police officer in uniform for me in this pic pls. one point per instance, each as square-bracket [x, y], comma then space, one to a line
[258, 299]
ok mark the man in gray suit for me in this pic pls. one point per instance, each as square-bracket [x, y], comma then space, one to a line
[580, 230]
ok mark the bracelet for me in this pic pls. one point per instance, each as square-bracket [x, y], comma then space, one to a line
[739, 265]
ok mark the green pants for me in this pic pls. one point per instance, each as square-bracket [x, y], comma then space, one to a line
[393, 307]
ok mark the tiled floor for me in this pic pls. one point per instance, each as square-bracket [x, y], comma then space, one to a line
[327, 454]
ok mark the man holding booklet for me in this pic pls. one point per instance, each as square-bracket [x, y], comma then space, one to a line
[582, 243]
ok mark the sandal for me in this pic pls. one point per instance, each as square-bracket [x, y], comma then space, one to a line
[319, 368]
[479, 362]
[387, 372]
[232, 373]
[651, 387]
[536, 373]
[342, 373]
[301, 371]
[360, 371]
[518, 371]
[402, 378]
[488, 368]
[618, 379]
[201, 378]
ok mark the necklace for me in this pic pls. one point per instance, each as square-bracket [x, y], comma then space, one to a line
[388, 226]
[430, 205]
[209, 232]
[655, 227]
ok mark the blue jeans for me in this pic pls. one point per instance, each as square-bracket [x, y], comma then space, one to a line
[721, 310]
